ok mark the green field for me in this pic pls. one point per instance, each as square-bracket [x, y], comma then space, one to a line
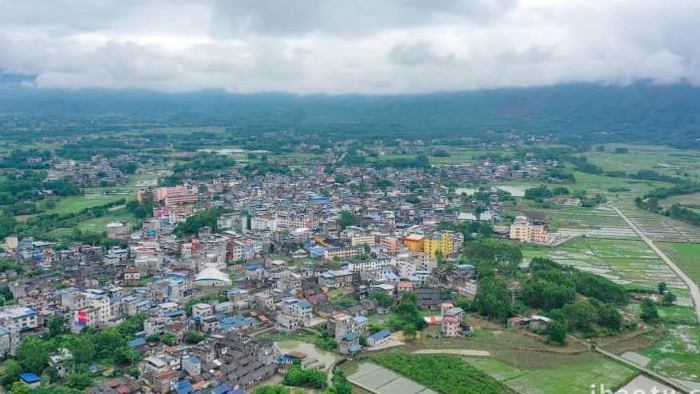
[662, 159]
[677, 353]
[572, 378]
[623, 261]
[77, 203]
[442, 373]
[686, 256]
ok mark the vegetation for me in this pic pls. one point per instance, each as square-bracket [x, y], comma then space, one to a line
[442, 373]
[309, 378]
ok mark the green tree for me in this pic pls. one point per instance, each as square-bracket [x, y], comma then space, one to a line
[79, 380]
[409, 332]
[649, 312]
[32, 354]
[581, 315]
[556, 332]
[669, 299]
[57, 326]
[271, 389]
[661, 287]
[492, 299]
[348, 218]
[10, 372]
[82, 348]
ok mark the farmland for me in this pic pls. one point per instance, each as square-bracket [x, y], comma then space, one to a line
[628, 262]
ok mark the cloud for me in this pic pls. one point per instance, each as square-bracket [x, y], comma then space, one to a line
[331, 46]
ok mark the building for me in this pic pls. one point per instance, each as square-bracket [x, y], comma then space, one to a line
[8, 341]
[451, 320]
[299, 309]
[438, 243]
[379, 338]
[19, 318]
[414, 242]
[529, 231]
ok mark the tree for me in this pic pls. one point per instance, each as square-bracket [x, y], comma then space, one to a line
[193, 337]
[383, 299]
[79, 381]
[649, 311]
[57, 326]
[661, 287]
[490, 254]
[609, 317]
[271, 389]
[32, 354]
[409, 332]
[580, 316]
[669, 299]
[10, 372]
[20, 388]
[556, 332]
[347, 218]
[492, 299]
[82, 348]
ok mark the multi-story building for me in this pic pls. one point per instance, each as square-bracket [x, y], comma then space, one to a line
[529, 231]
[300, 309]
[18, 318]
[438, 243]
[414, 242]
[451, 320]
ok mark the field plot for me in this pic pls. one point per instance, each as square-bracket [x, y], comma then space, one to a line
[592, 222]
[623, 261]
[571, 378]
[686, 256]
[662, 159]
[677, 354]
[78, 203]
[381, 380]
[662, 228]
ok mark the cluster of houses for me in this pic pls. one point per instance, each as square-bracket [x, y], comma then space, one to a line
[274, 261]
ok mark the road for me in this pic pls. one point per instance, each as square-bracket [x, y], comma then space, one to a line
[694, 292]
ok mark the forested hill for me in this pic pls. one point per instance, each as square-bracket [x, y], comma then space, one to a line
[668, 114]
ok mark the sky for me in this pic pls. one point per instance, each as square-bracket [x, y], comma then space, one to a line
[341, 46]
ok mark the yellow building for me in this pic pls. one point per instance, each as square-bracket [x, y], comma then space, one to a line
[414, 242]
[438, 242]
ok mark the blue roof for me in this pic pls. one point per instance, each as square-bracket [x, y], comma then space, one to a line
[304, 304]
[137, 342]
[29, 377]
[380, 335]
[254, 266]
[184, 387]
[223, 388]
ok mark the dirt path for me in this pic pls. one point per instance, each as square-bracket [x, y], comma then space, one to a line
[694, 292]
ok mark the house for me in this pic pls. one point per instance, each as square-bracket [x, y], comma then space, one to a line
[451, 320]
[350, 343]
[378, 338]
[30, 379]
[59, 361]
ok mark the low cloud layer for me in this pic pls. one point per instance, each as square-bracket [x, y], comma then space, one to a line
[333, 46]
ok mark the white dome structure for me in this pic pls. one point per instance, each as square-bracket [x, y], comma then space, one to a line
[212, 277]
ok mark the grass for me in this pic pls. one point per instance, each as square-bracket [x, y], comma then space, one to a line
[572, 378]
[686, 256]
[677, 353]
[78, 203]
[442, 373]
[663, 159]
[623, 261]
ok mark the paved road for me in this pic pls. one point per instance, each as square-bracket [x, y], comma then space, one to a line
[694, 292]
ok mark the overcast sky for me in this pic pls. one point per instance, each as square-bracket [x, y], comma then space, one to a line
[343, 46]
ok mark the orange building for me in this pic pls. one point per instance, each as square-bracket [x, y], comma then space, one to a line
[414, 242]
